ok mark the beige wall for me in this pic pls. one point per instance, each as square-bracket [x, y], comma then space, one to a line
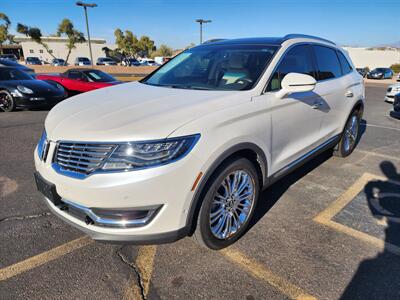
[362, 57]
[58, 46]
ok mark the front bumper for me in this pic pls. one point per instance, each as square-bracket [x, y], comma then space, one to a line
[38, 101]
[167, 187]
[389, 98]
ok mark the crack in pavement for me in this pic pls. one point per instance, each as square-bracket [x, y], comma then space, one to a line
[136, 271]
[14, 218]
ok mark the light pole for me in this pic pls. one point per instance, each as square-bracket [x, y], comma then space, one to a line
[201, 22]
[85, 6]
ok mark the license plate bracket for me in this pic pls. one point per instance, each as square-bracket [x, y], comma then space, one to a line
[47, 188]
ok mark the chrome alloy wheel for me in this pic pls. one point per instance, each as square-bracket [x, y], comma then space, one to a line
[351, 133]
[232, 204]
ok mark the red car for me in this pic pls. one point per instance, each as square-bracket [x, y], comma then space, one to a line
[77, 81]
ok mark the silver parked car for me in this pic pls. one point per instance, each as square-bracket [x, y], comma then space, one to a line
[58, 62]
[106, 61]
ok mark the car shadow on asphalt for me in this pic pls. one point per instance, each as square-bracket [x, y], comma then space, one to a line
[272, 194]
[379, 277]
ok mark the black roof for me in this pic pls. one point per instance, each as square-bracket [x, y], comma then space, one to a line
[264, 40]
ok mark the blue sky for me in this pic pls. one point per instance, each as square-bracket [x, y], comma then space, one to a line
[351, 22]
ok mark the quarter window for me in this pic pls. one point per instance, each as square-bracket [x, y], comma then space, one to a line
[297, 60]
[346, 67]
[328, 63]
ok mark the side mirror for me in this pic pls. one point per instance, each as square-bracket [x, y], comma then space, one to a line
[296, 83]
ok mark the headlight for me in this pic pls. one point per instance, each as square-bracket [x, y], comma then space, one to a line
[140, 155]
[24, 89]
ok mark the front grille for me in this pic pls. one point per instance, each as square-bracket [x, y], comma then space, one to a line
[82, 158]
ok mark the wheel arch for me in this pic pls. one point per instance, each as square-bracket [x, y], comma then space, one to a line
[247, 150]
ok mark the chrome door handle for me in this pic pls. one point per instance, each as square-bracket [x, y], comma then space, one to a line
[349, 94]
[317, 105]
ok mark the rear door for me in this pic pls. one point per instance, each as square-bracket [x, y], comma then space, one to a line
[331, 86]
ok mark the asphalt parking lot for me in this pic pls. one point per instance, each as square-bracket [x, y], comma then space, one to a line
[331, 230]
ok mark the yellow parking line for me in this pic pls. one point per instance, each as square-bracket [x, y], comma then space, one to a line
[325, 217]
[43, 258]
[144, 263]
[260, 272]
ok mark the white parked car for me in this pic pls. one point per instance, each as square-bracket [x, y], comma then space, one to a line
[188, 149]
[148, 62]
[391, 91]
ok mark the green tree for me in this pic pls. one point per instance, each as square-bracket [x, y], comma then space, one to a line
[66, 28]
[4, 26]
[35, 34]
[163, 50]
[145, 46]
[127, 42]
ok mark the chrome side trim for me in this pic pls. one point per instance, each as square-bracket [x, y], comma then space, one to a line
[298, 161]
[107, 222]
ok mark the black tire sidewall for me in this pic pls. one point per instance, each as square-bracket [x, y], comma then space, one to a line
[203, 230]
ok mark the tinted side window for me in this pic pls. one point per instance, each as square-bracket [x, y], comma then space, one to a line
[297, 60]
[75, 75]
[328, 63]
[346, 67]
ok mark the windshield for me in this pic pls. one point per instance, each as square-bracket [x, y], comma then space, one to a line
[13, 74]
[33, 59]
[99, 76]
[215, 67]
[10, 63]
[83, 59]
[380, 70]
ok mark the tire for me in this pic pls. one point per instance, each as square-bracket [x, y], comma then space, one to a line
[350, 136]
[219, 223]
[7, 102]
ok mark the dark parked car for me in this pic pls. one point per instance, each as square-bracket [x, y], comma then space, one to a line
[9, 57]
[58, 62]
[106, 61]
[10, 63]
[82, 61]
[362, 71]
[20, 90]
[33, 60]
[395, 113]
[380, 73]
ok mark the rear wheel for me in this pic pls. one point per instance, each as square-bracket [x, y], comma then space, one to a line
[228, 204]
[7, 102]
[350, 136]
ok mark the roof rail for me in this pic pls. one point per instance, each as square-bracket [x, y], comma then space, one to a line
[213, 41]
[297, 35]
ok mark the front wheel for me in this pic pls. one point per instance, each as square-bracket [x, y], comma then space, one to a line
[7, 102]
[228, 204]
[350, 136]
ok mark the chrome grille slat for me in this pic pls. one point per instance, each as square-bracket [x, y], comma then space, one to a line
[86, 147]
[84, 152]
[78, 162]
[99, 159]
[82, 158]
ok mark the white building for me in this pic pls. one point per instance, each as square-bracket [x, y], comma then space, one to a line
[58, 48]
[373, 58]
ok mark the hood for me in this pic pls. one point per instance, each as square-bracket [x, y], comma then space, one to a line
[39, 87]
[132, 112]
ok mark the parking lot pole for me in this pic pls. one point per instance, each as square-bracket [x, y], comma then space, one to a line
[85, 6]
[201, 21]
[87, 29]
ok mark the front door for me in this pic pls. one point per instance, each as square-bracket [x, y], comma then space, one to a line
[296, 119]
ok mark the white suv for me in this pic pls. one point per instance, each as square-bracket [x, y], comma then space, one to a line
[187, 150]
